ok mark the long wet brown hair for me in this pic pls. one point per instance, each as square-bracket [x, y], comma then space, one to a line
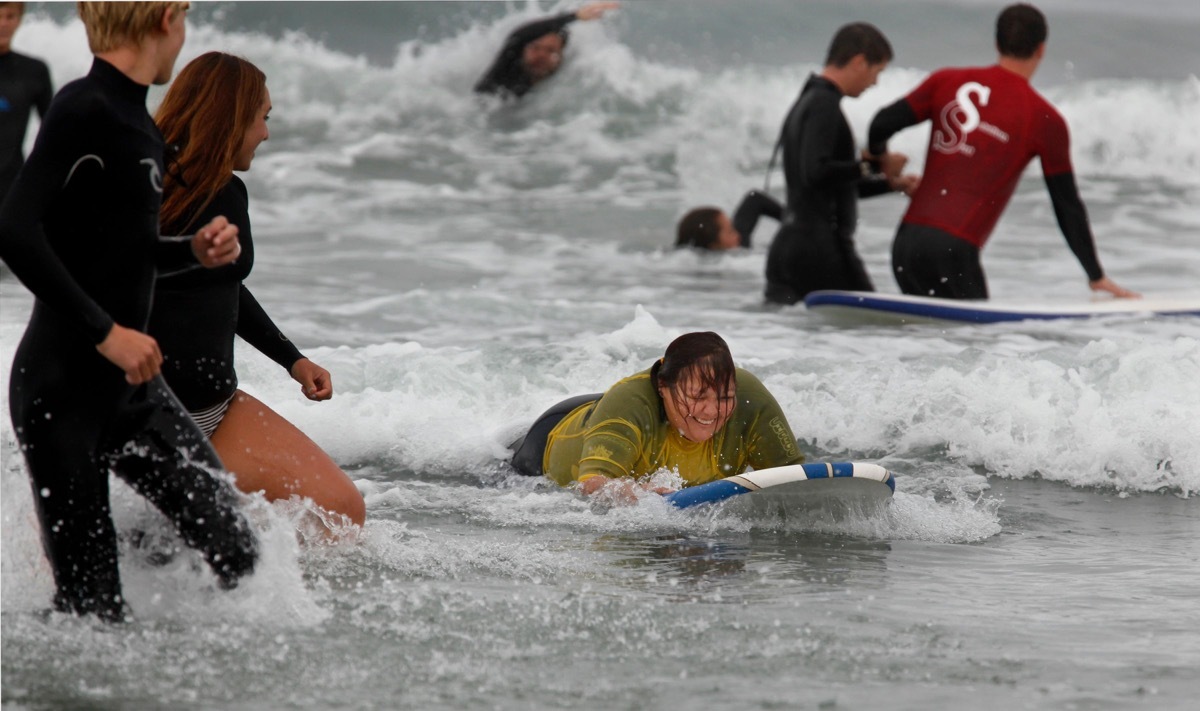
[204, 118]
[704, 353]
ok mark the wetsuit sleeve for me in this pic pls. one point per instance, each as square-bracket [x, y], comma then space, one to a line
[23, 245]
[753, 206]
[1073, 221]
[887, 123]
[496, 77]
[1054, 149]
[610, 448]
[257, 329]
[625, 422]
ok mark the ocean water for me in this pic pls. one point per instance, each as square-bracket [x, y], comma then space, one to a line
[459, 265]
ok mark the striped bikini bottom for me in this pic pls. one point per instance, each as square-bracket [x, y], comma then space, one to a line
[210, 418]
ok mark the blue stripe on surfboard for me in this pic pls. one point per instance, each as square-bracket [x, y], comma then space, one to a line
[722, 489]
[709, 493]
[948, 311]
[821, 470]
[988, 312]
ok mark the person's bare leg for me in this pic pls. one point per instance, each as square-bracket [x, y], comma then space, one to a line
[267, 453]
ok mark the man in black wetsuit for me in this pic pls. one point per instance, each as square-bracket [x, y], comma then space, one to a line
[24, 86]
[80, 229]
[814, 248]
[533, 52]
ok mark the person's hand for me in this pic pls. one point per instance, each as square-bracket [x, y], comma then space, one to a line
[133, 352]
[1106, 284]
[315, 381]
[595, 10]
[216, 244]
[593, 484]
[890, 164]
[618, 490]
[906, 184]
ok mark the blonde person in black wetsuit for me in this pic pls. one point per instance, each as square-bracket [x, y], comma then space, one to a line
[533, 52]
[214, 117]
[814, 248]
[80, 229]
[24, 86]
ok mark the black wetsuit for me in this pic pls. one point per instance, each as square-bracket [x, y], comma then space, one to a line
[814, 248]
[507, 75]
[753, 206]
[80, 230]
[24, 86]
[197, 313]
[530, 450]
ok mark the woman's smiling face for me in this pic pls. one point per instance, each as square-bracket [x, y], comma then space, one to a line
[696, 410]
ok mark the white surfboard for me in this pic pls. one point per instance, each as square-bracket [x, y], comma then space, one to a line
[874, 307]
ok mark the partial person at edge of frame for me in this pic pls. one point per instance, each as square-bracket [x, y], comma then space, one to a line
[214, 117]
[533, 52]
[988, 124]
[24, 86]
[80, 229]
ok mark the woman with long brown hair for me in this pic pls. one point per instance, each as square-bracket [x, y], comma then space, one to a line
[213, 118]
[693, 411]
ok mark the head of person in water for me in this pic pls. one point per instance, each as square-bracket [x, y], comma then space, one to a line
[707, 228]
[543, 56]
[213, 117]
[857, 55]
[11, 14]
[1021, 31]
[696, 381]
[153, 29]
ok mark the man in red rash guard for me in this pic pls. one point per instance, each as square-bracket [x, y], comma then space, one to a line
[988, 124]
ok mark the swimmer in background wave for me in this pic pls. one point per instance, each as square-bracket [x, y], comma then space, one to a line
[533, 52]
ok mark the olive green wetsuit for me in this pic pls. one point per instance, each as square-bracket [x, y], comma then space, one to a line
[626, 434]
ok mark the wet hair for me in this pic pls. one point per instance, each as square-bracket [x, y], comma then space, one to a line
[1020, 30]
[703, 353]
[111, 25]
[698, 228]
[204, 117]
[858, 38]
